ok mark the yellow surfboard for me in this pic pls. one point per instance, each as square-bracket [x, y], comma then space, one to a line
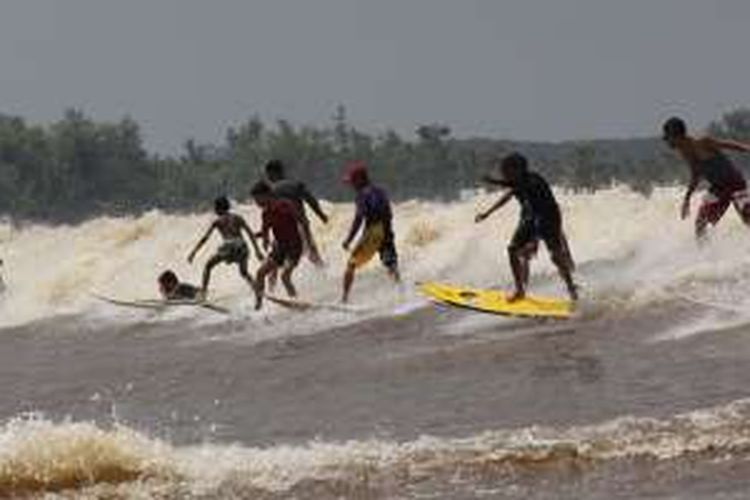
[496, 302]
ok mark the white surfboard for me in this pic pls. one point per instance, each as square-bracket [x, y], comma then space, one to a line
[158, 304]
[305, 305]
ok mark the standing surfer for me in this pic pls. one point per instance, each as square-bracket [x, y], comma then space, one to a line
[234, 249]
[540, 220]
[296, 191]
[374, 210]
[281, 218]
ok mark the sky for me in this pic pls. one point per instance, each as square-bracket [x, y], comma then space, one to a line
[522, 69]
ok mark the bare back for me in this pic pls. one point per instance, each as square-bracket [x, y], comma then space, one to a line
[699, 150]
[230, 226]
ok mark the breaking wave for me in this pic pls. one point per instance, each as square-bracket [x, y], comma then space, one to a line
[39, 457]
[631, 251]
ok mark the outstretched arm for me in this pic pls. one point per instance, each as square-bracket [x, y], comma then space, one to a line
[245, 227]
[498, 204]
[313, 203]
[201, 242]
[730, 145]
[497, 182]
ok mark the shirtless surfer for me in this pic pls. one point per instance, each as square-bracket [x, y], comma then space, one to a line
[234, 249]
[707, 161]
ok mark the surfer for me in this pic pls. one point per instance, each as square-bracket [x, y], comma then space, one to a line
[172, 289]
[234, 249]
[707, 161]
[374, 210]
[282, 218]
[540, 220]
[296, 191]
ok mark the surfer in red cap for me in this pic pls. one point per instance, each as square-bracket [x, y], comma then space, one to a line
[373, 209]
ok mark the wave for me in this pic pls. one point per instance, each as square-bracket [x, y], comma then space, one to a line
[39, 457]
[632, 252]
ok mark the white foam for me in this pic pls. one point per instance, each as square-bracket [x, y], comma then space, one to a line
[631, 252]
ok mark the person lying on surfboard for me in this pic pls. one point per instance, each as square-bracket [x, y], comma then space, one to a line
[281, 218]
[540, 220]
[171, 288]
[234, 249]
[297, 192]
[374, 210]
[706, 159]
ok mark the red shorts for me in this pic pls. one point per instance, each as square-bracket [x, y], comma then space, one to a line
[715, 205]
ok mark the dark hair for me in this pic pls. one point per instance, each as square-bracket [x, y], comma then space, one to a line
[674, 127]
[167, 277]
[275, 168]
[261, 188]
[516, 162]
[221, 204]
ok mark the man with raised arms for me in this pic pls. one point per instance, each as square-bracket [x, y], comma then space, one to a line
[707, 161]
[540, 220]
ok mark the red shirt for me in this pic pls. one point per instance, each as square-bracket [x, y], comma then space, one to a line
[280, 216]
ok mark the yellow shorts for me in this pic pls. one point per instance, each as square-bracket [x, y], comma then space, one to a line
[368, 245]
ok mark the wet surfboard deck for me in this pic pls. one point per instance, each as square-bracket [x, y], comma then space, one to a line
[160, 305]
[496, 301]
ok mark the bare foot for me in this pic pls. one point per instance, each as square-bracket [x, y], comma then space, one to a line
[517, 295]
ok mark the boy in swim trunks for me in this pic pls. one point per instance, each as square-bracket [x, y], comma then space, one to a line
[707, 161]
[374, 210]
[540, 220]
[281, 218]
[172, 289]
[297, 192]
[234, 249]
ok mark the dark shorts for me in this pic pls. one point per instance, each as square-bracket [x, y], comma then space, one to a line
[530, 231]
[233, 252]
[286, 253]
[388, 255]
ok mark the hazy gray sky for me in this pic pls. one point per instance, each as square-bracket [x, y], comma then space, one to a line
[525, 69]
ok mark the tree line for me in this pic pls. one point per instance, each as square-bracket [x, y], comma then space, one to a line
[77, 168]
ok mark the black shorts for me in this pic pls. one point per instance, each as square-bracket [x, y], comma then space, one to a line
[531, 230]
[387, 251]
[286, 253]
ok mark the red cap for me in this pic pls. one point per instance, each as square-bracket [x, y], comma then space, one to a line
[356, 173]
